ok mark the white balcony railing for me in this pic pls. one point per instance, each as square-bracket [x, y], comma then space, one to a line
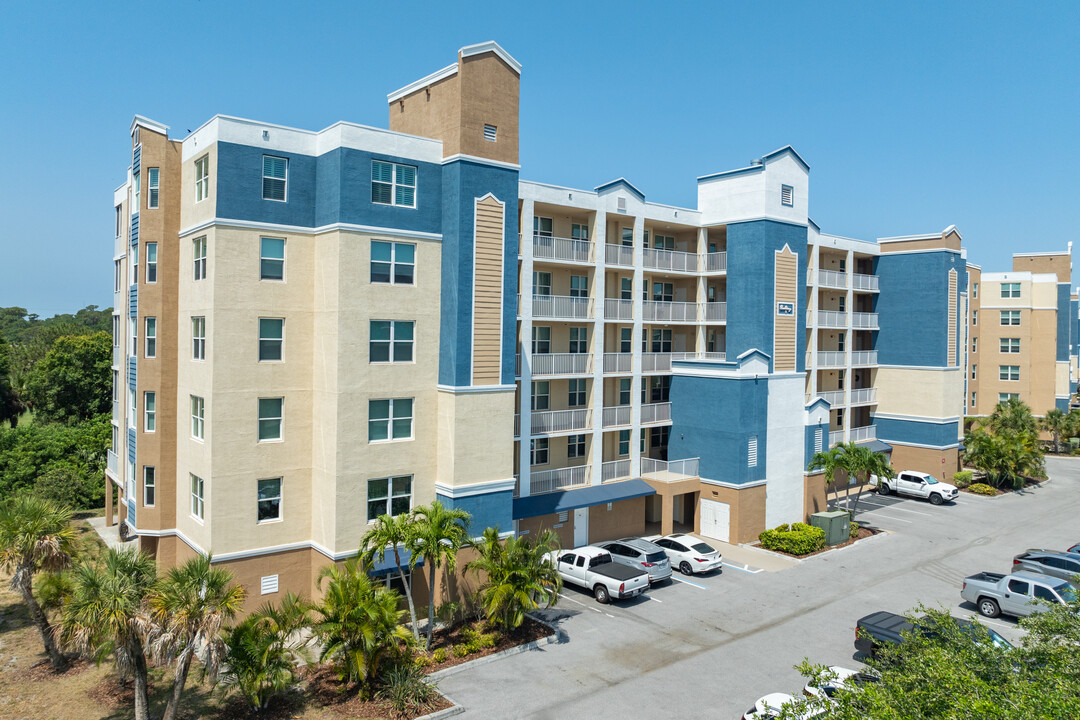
[669, 260]
[113, 463]
[669, 470]
[863, 396]
[619, 255]
[699, 356]
[864, 282]
[618, 362]
[546, 481]
[831, 318]
[836, 437]
[655, 413]
[557, 421]
[864, 357]
[715, 312]
[833, 397]
[832, 279]
[866, 432]
[616, 416]
[556, 248]
[656, 362]
[662, 311]
[864, 321]
[550, 364]
[716, 262]
[117, 356]
[615, 470]
[616, 309]
[562, 306]
[827, 359]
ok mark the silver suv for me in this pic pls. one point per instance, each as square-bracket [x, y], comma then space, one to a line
[1055, 563]
[642, 555]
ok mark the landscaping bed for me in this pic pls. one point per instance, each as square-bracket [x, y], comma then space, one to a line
[864, 532]
[1028, 483]
[444, 642]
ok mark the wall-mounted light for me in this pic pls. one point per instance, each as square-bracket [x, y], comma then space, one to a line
[266, 134]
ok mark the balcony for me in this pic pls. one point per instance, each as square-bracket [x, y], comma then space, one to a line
[859, 396]
[838, 358]
[865, 283]
[833, 397]
[863, 357]
[616, 416]
[564, 249]
[669, 470]
[830, 279]
[112, 464]
[836, 437]
[117, 356]
[548, 481]
[616, 309]
[556, 364]
[619, 255]
[618, 362]
[866, 432]
[615, 470]
[831, 318]
[716, 312]
[669, 260]
[716, 262]
[551, 422]
[655, 413]
[663, 311]
[863, 396]
[560, 307]
[864, 321]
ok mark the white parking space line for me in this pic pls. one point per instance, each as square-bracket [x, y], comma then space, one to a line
[687, 582]
[743, 568]
[578, 602]
[893, 507]
[889, 517]
[650, 597]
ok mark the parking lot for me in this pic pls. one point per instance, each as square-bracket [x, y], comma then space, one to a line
[708, 646]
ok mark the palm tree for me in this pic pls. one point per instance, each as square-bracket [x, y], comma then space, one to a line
[1011, 415]
[107, 613]
[828, 463]
[1055, 422]
[189, 607]
[861, 462]
[35, 535]
[358, 622]
[439, 533]
[394, 532]
[518, 577]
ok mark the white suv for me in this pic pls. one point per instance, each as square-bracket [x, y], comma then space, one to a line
[916, 484]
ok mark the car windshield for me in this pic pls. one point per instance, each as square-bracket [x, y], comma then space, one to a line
[1067, 593]
[703, 548]
[656, 557]
[998, 641]
[930, 480]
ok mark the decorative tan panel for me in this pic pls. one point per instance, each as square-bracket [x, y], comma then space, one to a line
[952, 359]
[786, 291]
[487, 292]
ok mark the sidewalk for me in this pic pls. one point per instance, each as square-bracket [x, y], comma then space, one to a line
[110, 535]
[751, 558]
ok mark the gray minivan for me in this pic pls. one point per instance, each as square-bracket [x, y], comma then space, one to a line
[640, 554]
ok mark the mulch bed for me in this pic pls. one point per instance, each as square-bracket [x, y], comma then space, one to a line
[864, 532]
[529, 631]
[1028, 483]
[114, 692]
[42, 671]
[327, 690]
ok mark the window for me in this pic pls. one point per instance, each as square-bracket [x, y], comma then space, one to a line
[138, 191]
[975, 291]
[199, 248]
[198, 338]
[626, 289]
[1009, 372]
[575, 446]
[541, 283]
[389, 496]
[1042, 593]
[661, 341]
[642, 443]
[843, 265]
[541, 340]
[133, 325]
[151, 337]
[840, 376]
[542, 227]
[149, 484]
[116, 386]
[270, 414]
[116, 275]
[149, 412]
[132, 408]
[393, 184]
[1019, 587]
[272, 259]
[390, 419]
[541, 392]
[268, 500]
[198, 505]
[975, 345]
[842, 306]
[1010, 290]
[271, 339]
[624, 391]
[1010, 345]
[134, 263]
[579, 339]
[490, 132]
[787, 195]
[660, 436]
[1010, 317]
[751, 452]
[840, 339]
[625, 339]
[663, 292]
[152, 185]
[393, 263]
[198, 417]
[1006, 397]
[391, 341]
[119, 219]
[275, 177]
[578, 395]
[538, 451]
[151, 262]
[972, 399]
[202, 178]
[579, 232]
[628, 236]
[974, 317]
[624, 442]
[661, 388]
[579, 286]
[840, 418]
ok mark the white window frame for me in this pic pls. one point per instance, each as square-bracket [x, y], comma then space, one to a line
[198, 497]
[393, 343]
[133, 409]
[149, 411]
[263, 259]
[539, 449]
[279, 418]
[260, 500]
[575, 445]
[624, 440]
[1010, 290]
[1005, 397]
[975, 291]
[150, 337]
[151, 263]
[153, 188]
[280, 341]
[577, 388]
[198, 337]
[284, 180]
[543, 227]
[390, 419]
[1008, 316]
[396, 183]
[582, 289]
[1009, 346]
[149, 486]
[202, 178]
[538, 341]
[198, 418]
[133, 326]
[198, 250]
[537, 387]
[578, 342]
[391, 495]
[1009, 373]
[137, 192]
[541, 279]
[393, 262]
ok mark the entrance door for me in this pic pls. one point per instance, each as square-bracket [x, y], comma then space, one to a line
[716, 520]
[581, 527]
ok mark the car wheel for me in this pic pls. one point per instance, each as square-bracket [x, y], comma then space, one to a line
[936, 499]
[989, 607]
[882, 488]
[685, 568]
[601, 594]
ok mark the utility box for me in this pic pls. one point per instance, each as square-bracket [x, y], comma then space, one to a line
[836, 524]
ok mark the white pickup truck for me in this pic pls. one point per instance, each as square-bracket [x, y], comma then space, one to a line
[592, 568]
[916, 484]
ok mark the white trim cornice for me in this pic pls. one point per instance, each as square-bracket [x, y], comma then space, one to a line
[301, 230]
[482, 488]
[480, 161]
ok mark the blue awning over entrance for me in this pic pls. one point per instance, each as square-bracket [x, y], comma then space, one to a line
[557, 502]
[876, 446]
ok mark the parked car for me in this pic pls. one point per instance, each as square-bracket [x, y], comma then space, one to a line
[640, 554]
[772, 705]
[882, 628]
[1048, 562]
[690, 555]
[995, 593]
[841, 678]
[1075, 549]
[592, 568]
[916, 484]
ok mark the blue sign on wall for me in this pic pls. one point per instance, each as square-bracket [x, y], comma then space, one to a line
[785, 308]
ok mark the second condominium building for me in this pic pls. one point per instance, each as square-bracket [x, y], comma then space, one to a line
[318, 327]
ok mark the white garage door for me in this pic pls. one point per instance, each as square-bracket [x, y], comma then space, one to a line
[716, 520]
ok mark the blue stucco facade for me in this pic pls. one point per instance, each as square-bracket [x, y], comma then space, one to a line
[493, 509]
[918, 432]
[914, 298]
[810, 440]
[1064, 304]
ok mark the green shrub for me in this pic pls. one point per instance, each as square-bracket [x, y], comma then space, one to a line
[854, 532]
[477, 640]
[439, 656]
[422, 661]
[982, 489]
[461, 650]
[796, 539]
[963, 478]
[407, 689]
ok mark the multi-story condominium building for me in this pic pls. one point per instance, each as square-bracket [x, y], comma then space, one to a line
[316, 328]
[1023, 334]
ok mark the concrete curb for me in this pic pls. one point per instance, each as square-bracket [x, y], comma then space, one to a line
[826, 553]
[559, 636]
[451, 711]
[1022, 491]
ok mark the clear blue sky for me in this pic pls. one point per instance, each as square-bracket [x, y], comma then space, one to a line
[913, 116]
